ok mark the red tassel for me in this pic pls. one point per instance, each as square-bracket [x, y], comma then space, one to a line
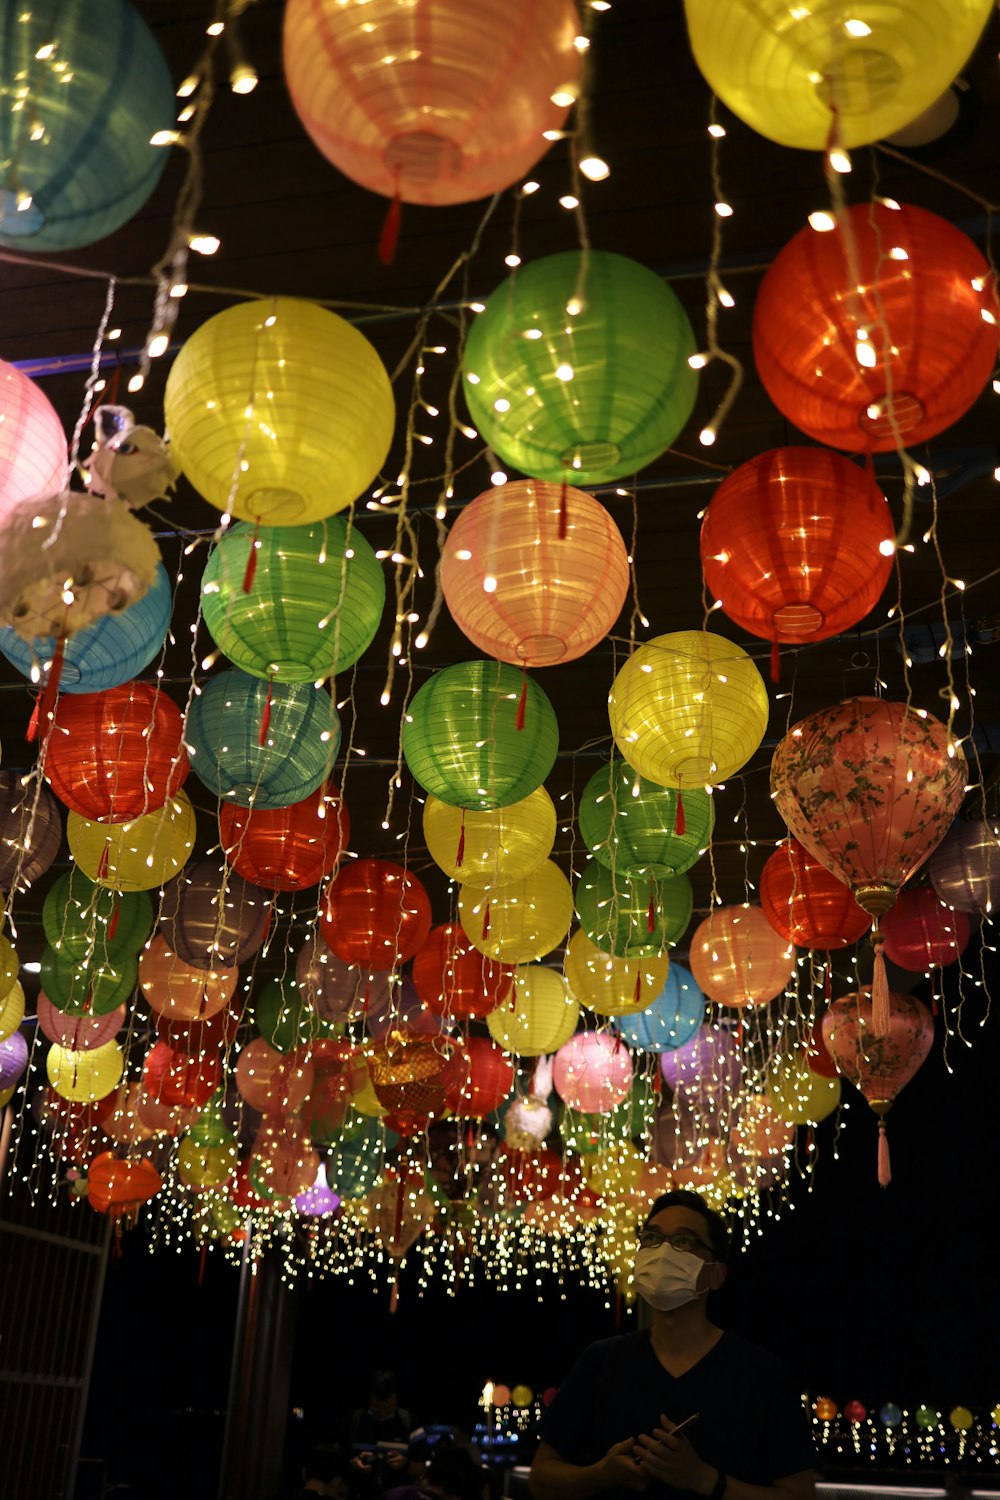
[884, 1165]
[651, 913]
[486, 922]
[113, 924]
[32, 731]
[739, 1031]
[102, 864]
[775, 662]
[45, 705]
[680, 822]
[881, 1021]
[251, 568]
[460, 851]
[638, 987]
[519, 722]
[564, 509]
[265, 718]
[389, 238]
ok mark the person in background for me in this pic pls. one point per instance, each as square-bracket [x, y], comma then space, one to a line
[451, 1474]
[613, 1429]
[325, 1472]
[381, 1433]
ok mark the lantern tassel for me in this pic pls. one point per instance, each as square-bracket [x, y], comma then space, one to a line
[564, 508]
[522, 705]
[113, 924]
[31, 733]
[391, 224]
[45, 705]
[880, 990]
[486, 922]
[251, 568]
[460, 851]
[102, 864]
[265, 718]
[680, 822]
[775, 662]
[884, 1165]
[651, 913]
[638, 987]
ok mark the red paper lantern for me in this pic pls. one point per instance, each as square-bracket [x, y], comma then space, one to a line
[273, 1082]
[116, 755]
[375, 914]
[455, 979]
[921, 932]
[177, 1079]
[797, 544]
[807, 905]
[478, 1078]
[911, 350]
[120, 1187]
[287, 848]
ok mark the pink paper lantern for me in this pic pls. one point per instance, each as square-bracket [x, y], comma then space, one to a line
[738, 959]
[273, 1082]
[78, 1033]
[921, 932]
[534, 574]
[592, 1073]
[33, 458]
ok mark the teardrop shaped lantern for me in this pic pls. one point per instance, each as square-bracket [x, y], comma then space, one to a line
[578, 368]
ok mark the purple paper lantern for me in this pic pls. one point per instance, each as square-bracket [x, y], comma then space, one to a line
[78, 1033]
[965, 868]
[338, 990]
[212, 918]
[705, 1067]
[13, 1060]
[42, 831]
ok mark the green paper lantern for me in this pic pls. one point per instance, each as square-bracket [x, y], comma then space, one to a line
[284, 1017]
[461, 740]
[579, 367]
[77, 916]
[314, 604]
[82, 988]
[616, 913]
[630, 825]
[630, 1120]
[210, 1128]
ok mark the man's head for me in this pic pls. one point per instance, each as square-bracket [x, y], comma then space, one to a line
[382, 1398]
[325, 1472]
[681, 1226]
[713, 1229]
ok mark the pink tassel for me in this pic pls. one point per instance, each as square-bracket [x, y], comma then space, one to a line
[680, 822]
[884, 1168]
[651, 913]
[251, 568]
[460, 851]
[265, 718]
[519, 722]
[881, 1020]
[775, 662]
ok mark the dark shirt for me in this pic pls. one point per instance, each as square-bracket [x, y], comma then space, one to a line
[752, 1422]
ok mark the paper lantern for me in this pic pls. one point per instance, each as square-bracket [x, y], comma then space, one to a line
[538, 1018]
[443, 101]
[78, 1033]
[609, 985]
[523, 920]
[270, 1081]
[592, 1072]
[118, 754]
[632, 918]
[84, 1076]
[205, 1166]
[32, 442]
[104, 655]
[784, 69]
[375, 914]
[314, 604]
[478, 1078]
[319, 1201]
[590, 394]
[336, 989]
[8, 965]
[870, 788]
[965, 867]
[631, 827]
[284, 1016]
[11, 1009]
[706, 1067]
[175, 989]
[455, 979]
[279, 411]
[921, 932]
[688, 709]
[494, 846]
[30, 831]
[927, 316]
[119, 1187]
[83, 920]
[797, 544]
[283, 1162]
[671, 1021]
[92, 986]
[805, 904]
[408, 1076]
[534, 574]
[797, 1094]
[138, 855]
[461, 738]
[287, 848]
[13, 1060]
[212, 918]
[738, 959]
[262, 744]
[100, 94]
[175, 1078]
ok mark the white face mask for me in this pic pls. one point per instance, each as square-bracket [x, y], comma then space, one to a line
[667, 1278]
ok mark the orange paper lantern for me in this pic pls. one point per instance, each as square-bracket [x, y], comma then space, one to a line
[116, 755]
[805, 904]
[738, 959]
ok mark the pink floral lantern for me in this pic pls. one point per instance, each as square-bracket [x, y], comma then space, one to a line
[870, 788]
[738, 959]
[592, 1073]
[922, 933]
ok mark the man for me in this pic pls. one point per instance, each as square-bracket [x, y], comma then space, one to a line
[609, 1431]
[324, 1473]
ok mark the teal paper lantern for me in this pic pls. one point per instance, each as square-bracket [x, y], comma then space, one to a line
[76, 162]
[631, 825]
[261, 744]
[671, 1020]
[461, 739]
[104, 655]
[632, 918]
[83, 920]
[314, 604]
[579, 368]
[94, 988]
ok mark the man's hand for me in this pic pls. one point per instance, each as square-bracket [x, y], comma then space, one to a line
[672, 1460]
[620, 1466]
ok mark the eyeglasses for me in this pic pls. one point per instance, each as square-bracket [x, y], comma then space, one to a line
[684, 1240]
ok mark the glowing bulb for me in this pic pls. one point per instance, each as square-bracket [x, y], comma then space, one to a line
[707, 436]
[512, 260]
[839, 159]
[158, 345]
[489, 584]
[243, 79]
[530, 187]
[887, 548]
[563, 98]
[821, 221]
[724, 210]
[564, 372]
[204, 244]
[717, 131]
[595, 168]
[498, 477]
[568, 201]
[857, 28]
[697, 361]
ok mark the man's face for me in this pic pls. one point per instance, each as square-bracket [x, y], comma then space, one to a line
[383, 1407]
[686, 1230]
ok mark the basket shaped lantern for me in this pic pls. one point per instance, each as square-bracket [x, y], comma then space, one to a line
[119, 1186]
[118, 754]
[578, 369]
[807, 905]
[870, 788]
[437, 101]
[534, 574]
[408, 1076]
[900, 360]
[287, 848]
[375, 914]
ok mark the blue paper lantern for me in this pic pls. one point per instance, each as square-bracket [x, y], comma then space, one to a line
[671, 1020]
[262, 744]
[105, 655]
[76, 161]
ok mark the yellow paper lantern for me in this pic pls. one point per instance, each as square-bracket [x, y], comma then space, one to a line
[84, 1076]
[366, 1101]
[135, 856]
[688, 709]
[6, 1095]
[609, 985]
[205, 1166]
[523, 920]
[616, 1170]
[279, 409]
[522, 1395]
[797, 1094]
[11, 1007]
[784, 69]
[538, 1018]
[496, 845]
